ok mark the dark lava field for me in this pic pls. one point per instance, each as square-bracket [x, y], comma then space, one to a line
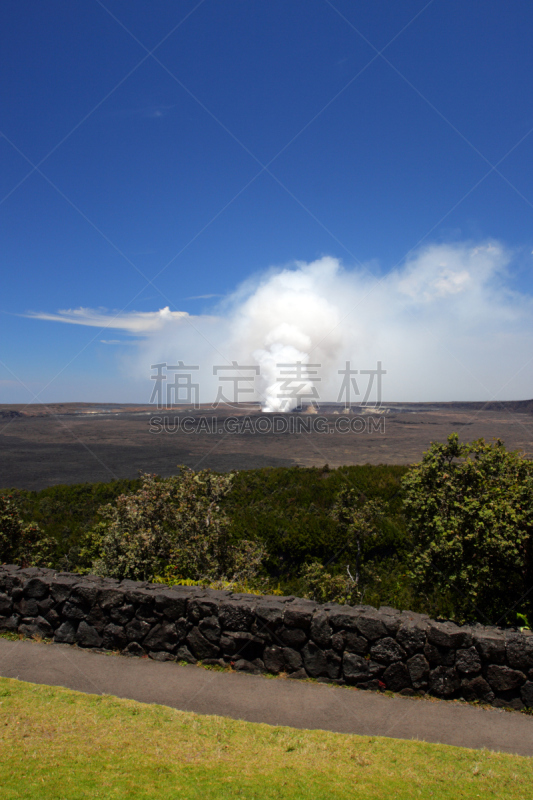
[75, 443]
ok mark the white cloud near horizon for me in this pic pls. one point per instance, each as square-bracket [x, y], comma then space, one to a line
[446, 326]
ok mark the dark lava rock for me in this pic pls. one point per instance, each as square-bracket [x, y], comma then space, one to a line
[61, 587]
[241, 644]
[334, 664]
[210, 628]
[141, 597]
[448, 634]
[84, 594]
[111, 597]
[344, 618]
[235, 615]
[162, 637]
[171, 604]
[200, 646]
[27, 608]
[9, 623]
[321, 631]
[468, 660]
[412, 636]
[184, 654]
[476, 689]
[387, 650]
[299, 615]
[134, 649]
[161, 655]
[121, 615]
[73, 611]
[293, 659]
[504, 678]
[354, 668]
[519, 648]
[53, 618]
[396, 677]
[137, 629]
[114, 637]
[292, 637]
[255, 667]
[373, 685]
[490, 644]
[36, 627]
[45, 606]
[269, 614]
[199, 607]
[87, 636]
[443, 681]
[273, 659]
[391, 618]
[371, 626]
[355, 644]
[314, 659]
[97, 618]
[299, 675]
[439, 656]
[146, 612]
[418, 670]
[36, 589]
[6, 605]
[66, 633]
[526, 694]
[514, 703]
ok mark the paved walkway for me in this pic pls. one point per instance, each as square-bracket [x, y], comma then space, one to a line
[274, 701]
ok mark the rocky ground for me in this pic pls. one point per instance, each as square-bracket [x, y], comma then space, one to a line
[74, 443]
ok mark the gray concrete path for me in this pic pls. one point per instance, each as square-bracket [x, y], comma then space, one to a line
[258, 699]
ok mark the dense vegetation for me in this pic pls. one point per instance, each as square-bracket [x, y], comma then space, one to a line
[469, 508]
[450, 536]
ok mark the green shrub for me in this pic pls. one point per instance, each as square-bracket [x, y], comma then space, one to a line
[357, 519]
[20, 543]
[289, 510]
[174, 522]
[324, 587]
[469, 508]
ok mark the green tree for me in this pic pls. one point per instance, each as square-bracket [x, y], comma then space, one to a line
[469, 509]
[172, 522]
[356, 519]
[22, 543]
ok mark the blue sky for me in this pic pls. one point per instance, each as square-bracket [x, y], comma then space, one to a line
[160, 154]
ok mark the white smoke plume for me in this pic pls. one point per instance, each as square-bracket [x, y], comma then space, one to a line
[289, 318]
[446, 326]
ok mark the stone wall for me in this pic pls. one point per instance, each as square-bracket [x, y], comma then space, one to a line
[368, 648]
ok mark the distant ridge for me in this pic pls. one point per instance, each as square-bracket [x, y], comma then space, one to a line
[518, 406]
[14, 410]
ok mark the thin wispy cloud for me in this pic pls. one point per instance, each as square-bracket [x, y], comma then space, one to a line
[204, 296]
[131, 322]
[146, 112]
[128, 342]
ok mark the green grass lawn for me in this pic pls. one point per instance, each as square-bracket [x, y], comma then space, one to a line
[59, 744]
